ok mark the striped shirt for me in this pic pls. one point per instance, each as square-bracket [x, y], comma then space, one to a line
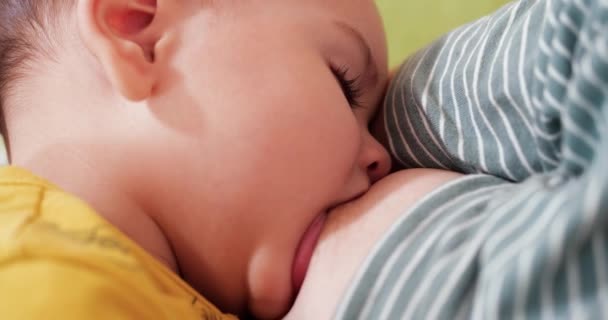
[518, 100]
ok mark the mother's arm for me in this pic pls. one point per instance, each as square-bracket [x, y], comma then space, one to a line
[350, 233]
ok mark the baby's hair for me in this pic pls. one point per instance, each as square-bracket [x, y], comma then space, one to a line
[26, 27]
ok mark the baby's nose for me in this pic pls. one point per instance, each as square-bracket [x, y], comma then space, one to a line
[374, 159]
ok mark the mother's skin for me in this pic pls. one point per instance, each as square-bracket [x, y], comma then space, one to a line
[351, 232]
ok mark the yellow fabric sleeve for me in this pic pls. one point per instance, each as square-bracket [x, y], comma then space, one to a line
[46, 289]
[60, 260]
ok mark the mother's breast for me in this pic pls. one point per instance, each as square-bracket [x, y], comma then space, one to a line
[351, 231]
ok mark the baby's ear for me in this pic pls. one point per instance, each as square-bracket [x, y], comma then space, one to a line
[123, 35]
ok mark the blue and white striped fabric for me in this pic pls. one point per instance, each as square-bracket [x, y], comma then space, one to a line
[519, 100]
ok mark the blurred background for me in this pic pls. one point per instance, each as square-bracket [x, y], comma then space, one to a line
[411, 24]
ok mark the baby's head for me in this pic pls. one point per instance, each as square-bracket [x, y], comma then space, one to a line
[233, 125]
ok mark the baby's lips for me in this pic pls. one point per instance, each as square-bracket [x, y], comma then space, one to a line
[307, 245]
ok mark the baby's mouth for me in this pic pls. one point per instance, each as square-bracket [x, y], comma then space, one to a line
[307, 245]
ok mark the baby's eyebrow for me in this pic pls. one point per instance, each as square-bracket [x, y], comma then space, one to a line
[371, 69]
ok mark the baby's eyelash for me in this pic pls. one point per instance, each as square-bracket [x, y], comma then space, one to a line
[350, 86]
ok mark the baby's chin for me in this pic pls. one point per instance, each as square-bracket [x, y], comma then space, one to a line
[275, 276]
[270, 288]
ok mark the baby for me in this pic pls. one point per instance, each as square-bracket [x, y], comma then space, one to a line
[208, 139]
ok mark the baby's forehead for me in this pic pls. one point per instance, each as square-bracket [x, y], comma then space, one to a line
[299, 7]
[327, 21]
[355, 13]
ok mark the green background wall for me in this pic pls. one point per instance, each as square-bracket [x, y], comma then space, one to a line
[411, 24]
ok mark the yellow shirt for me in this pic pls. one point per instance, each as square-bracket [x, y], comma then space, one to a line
[60, 260]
